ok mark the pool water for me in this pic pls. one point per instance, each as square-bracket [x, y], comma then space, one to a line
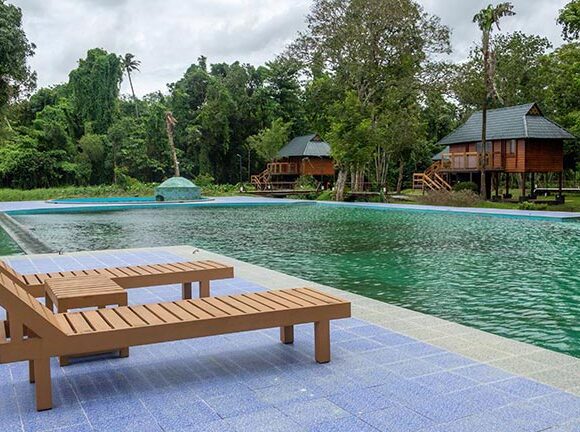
[7, 245]
[513, 277]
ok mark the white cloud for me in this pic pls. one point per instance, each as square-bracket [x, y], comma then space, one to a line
[169, 35]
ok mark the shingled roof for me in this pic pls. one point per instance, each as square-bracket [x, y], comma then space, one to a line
[305, 146]
[521, 121]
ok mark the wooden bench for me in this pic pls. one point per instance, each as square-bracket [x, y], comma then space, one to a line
[142, 276]
[36, 334]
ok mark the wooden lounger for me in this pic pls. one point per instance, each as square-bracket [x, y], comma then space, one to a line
[135, 276]
[36, 334]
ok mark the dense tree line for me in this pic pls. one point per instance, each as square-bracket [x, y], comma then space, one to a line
[367, 76]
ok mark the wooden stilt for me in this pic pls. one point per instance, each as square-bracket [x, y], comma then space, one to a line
[533, 185]
[203, 289]
[186, 291]
[560, 183]
[322, 341]
[523, 186]
[43, 386]
[287, 334]
[507, 185]
[496, 184]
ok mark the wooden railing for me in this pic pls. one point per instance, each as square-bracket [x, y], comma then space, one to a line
[283, 168]
[470, 161]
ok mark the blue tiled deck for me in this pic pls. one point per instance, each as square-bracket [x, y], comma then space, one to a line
[378, 380]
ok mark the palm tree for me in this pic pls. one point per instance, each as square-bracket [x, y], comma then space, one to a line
[170, 123]
[130, 64]
[486, 19]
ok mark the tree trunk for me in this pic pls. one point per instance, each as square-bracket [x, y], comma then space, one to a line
[170, 124]
[486, 70]
[401, 173]
[340, 184]
[133, 91]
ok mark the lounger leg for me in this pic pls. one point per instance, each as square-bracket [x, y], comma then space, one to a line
[203, 288]
[322, 341]
[186, 291]
[48, 303]
[64, 360]
[31, 371]
[287, 334]
[42, 383]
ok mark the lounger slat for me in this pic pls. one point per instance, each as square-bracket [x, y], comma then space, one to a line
[182, 267]
[146, 315]
[178, 311]
[264, 301]
[221, 306]
[200, 313]
[130, 271]
[207, 308]
[204, 265]
[150, 269]
[78, 323]
[111, 272]
[162, 313]
[251, 302]
[297, 301]
[114, 320]
[268, 296]
[64, 324]
[130, 317]
[172, 267]
[96, 321]
[321, 295]
[305, 297]
[238, 305]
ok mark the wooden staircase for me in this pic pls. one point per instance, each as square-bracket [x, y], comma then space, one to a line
[262, 181]
[431, 179]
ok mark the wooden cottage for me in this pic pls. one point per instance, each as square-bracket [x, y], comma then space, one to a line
[520, 141]
[304, 155]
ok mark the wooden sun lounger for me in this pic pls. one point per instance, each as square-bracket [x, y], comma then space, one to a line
[135, 276]
[36, 334]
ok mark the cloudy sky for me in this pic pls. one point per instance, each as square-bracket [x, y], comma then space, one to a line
[168, 35]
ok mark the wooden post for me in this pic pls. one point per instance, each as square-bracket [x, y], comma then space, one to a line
[560, 182]
[507, 185]
[203, 289]
[287, 334]
[533, 185]
[496, 181]
[523, 186]
[43, 387]
[186, 291]
[322, 341]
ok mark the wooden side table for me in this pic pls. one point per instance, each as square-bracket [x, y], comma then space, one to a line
[83, 292]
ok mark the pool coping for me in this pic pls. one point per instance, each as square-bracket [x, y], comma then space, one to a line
[558, 370]
[42, 207]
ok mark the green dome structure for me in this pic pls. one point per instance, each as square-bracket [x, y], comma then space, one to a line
[177, 189]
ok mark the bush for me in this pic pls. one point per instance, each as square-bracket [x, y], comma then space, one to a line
[464, 198]
[204, 180]
[327, 195]
[466, 186]
[526, 205]
[306, 182]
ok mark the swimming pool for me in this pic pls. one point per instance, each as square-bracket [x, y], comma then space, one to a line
[7, 245]
[514, 277]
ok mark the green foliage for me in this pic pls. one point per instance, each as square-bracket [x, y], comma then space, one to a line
[269, 141]
[95, 89]
[15, 75]
[464, 198]
[465, 186]
[526, 205]
[306, 182]
[204, 180]
[569, 18]
[327, 195]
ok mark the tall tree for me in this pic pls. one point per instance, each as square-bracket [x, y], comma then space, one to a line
[569, 18]
[15, 75]
[94, 86]
[130, 65]
[486, 19]
[170, 123]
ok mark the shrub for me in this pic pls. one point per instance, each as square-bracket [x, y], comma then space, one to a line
[464, 198]
[204, 180]
[466, 186]
[306, 182]
[327, 195]
[526, 205]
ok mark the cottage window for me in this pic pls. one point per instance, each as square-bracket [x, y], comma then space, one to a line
[512, 145]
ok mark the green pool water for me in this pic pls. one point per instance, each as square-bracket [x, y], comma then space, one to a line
[7, 245]
[513, 277]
